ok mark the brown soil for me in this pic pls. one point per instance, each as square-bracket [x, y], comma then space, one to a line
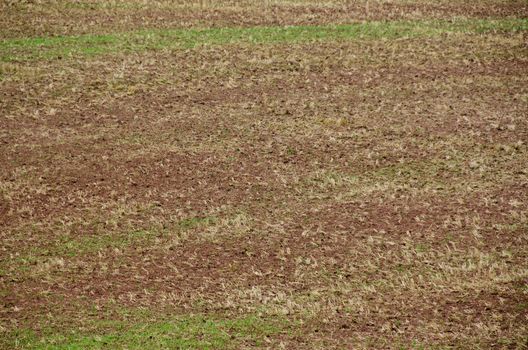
[379, 197]
[55, 18]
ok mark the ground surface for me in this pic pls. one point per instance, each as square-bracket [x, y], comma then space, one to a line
[217, 175]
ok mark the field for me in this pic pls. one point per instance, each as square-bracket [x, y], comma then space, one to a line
[281, 174]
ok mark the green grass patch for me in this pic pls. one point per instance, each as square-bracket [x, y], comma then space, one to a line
[88, 45]
[197, 222]
[189, 332]
[71, 246]
[67, 246]
[94, 243]
[78, 246]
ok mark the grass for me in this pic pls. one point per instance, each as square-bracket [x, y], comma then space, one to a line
[41, 260]
[71, 246]
[89, 45]
[189, 332]
[335, 193]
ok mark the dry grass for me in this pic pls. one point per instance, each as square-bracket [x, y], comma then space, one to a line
[331, 194]
[43, 18]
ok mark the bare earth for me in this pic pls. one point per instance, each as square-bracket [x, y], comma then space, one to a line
[367, 193]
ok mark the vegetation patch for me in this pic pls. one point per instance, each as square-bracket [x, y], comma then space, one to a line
[357, 180]
[88, 45]
[192, 332]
